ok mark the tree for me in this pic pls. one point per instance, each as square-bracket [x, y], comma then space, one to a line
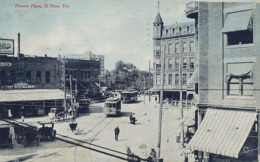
[125, 76]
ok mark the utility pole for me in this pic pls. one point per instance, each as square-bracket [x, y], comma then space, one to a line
[149, 80]
[64, 81]
[144, 89]
[161, 102]
[181, 96]
[71, 98]
[99, 83]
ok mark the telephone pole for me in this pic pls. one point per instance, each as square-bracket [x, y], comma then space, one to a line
[149, 80]
[64, 81]
[161, 102]
[144, 89]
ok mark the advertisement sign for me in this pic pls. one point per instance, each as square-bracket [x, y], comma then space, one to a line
[7, 46]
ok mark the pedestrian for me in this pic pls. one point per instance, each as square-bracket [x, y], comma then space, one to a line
[117, 130]
[155, 98]
[153, 153]
[10, 113]
[131, 116]
[22, 118]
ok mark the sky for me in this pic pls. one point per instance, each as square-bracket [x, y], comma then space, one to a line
[117, 29]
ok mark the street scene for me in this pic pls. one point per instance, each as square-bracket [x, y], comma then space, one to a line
[112, 80]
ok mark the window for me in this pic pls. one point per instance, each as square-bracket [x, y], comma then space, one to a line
[184, 79]
[192, 46]
[192, 63]
[81, 74]
[47, 77]
[13, 76]
[185, 49]
[242, 32]
[38, 77]
[240, 86]
[177, 78]
[173, 31]
[157, 79]
[188, 28]
[240, 37]
[28, 76]
[180, 31]
[177, 63]
[164, 79]
[177, 48]
[158, 50]
[170, 63]
[88, 74]
[85, 74]
[170, 79]
[169, 48]
[158, 64]
[184, 63]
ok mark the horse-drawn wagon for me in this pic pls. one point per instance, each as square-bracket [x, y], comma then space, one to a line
[26, 134]
[46, 131]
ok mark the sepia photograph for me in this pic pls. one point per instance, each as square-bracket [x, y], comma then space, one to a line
[129, 80]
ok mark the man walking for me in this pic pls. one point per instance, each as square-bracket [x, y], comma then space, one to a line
[116, 133]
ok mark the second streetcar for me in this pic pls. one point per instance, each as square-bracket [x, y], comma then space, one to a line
[112, 106]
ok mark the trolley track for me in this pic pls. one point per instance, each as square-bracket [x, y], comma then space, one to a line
[83, 143]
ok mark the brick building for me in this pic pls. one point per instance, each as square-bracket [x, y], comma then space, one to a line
[176, 44]
[34, 84]
[228, 81]
[85, 73]
[29, 85]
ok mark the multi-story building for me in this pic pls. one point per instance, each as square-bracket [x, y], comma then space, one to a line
[88, 55]
[228, 81]
[35, 84]
[30, 85]
[86, 74]
[176, 45]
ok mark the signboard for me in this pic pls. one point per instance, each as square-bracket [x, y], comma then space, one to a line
[5, 64]
[7, 46]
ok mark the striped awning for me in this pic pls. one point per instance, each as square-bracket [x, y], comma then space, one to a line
[223, 132]
[238, 21]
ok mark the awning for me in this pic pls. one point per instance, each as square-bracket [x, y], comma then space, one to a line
[238, 21]
[195, 76]
[223, 132]
[165, 88]
[31, 95]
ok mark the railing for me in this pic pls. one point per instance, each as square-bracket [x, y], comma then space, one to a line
[191, 7]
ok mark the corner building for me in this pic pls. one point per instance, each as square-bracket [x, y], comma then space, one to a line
[228, 81]
[176, 44]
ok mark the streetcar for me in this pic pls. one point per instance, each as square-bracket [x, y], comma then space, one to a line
[112, 106]
[129, 96]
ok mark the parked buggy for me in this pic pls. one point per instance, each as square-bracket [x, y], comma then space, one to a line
[189, 131]
[47, 132]
[5, 136]
[26, 135]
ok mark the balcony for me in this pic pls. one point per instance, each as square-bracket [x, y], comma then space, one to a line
[191, 10]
